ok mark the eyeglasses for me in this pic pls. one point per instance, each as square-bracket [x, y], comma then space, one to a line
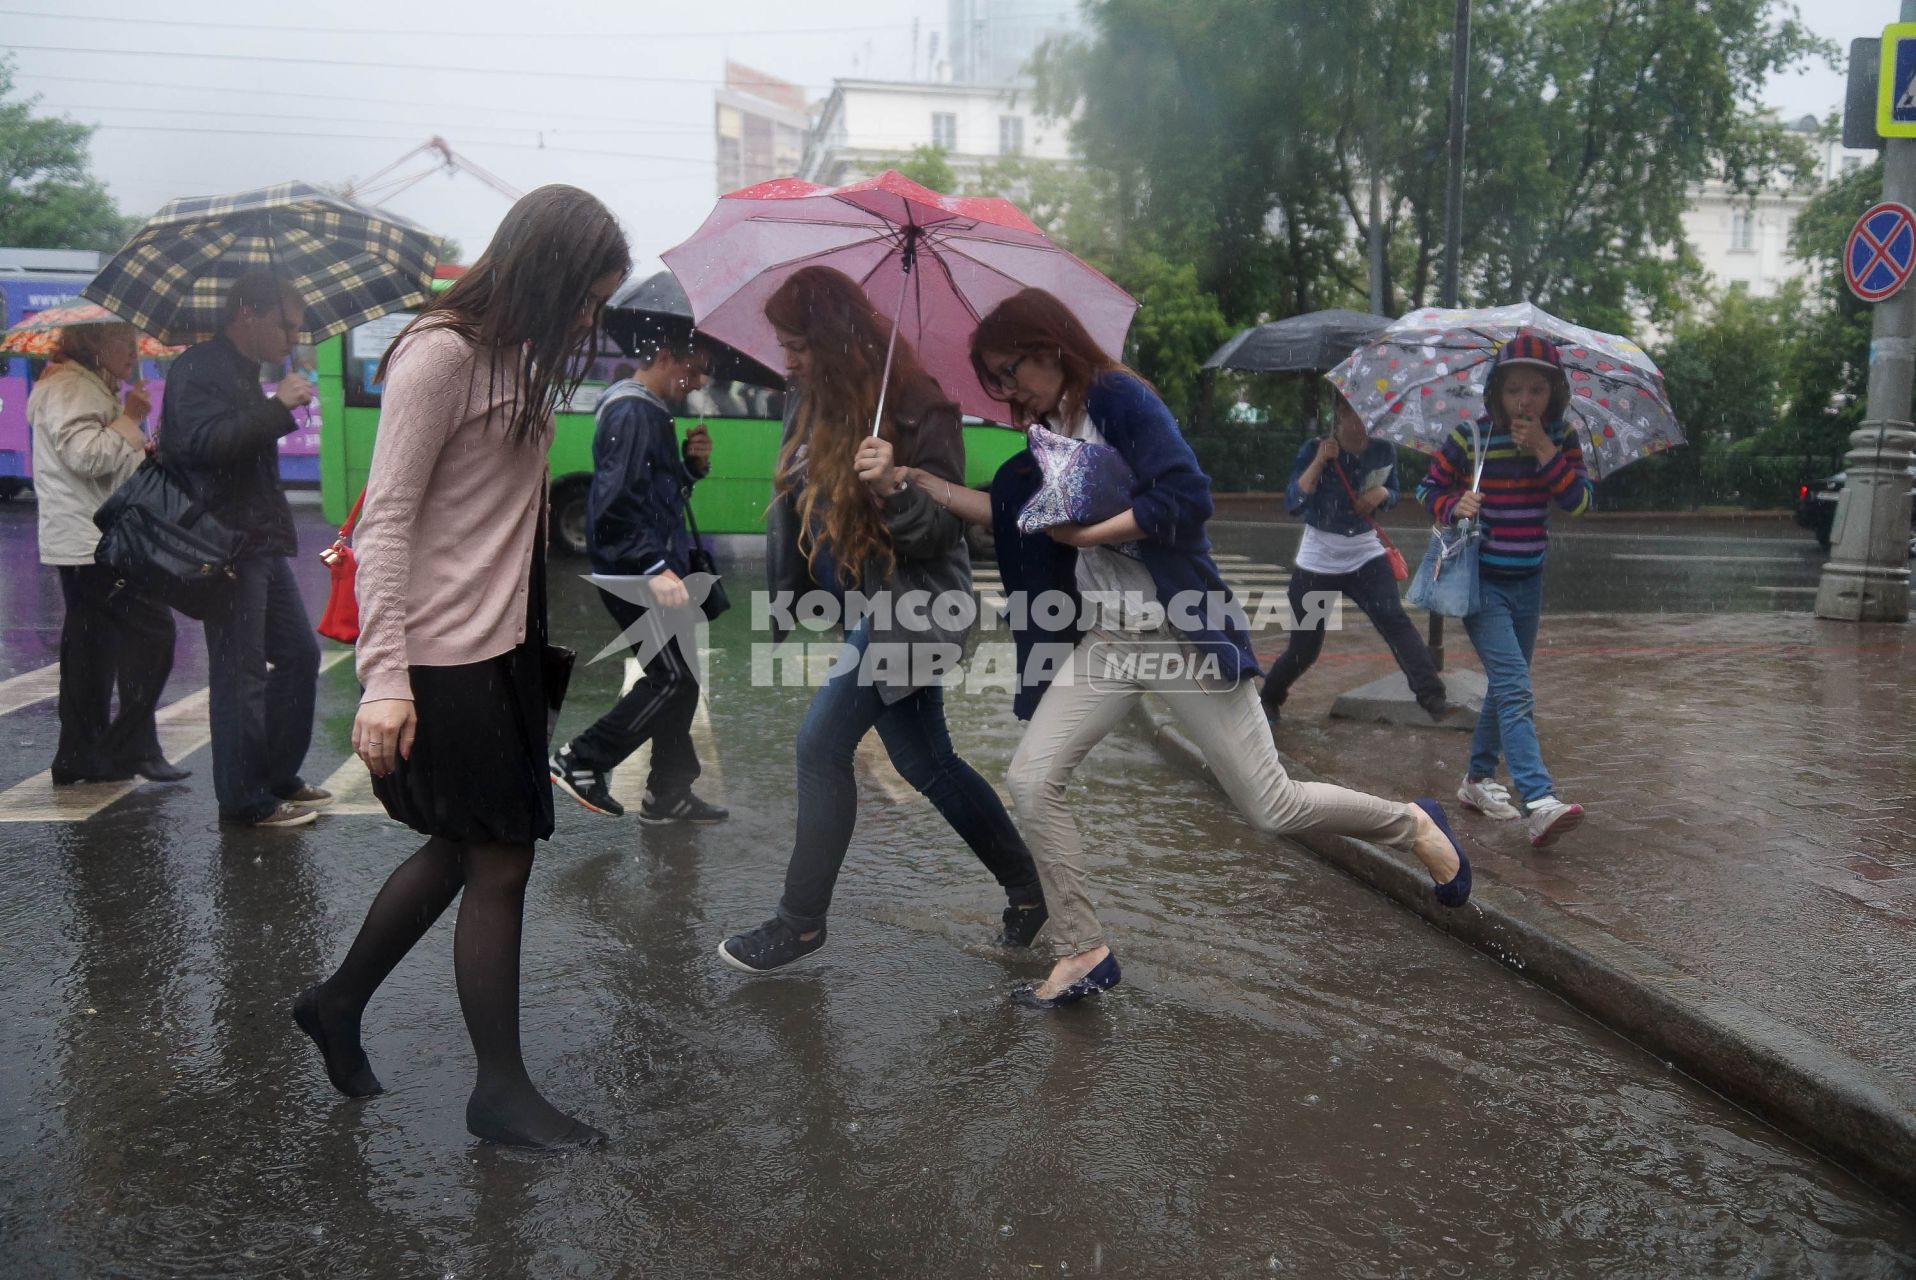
[1005, 378]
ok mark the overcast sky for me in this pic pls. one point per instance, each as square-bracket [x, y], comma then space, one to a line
[195, 98]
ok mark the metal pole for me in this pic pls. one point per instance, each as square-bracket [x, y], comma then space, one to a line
[1454, 211]
[907, 258]
[1867, 577]
[1454, 192]
[1376, 240]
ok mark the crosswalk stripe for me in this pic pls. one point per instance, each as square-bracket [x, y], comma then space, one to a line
[184, 728]
[29, 687]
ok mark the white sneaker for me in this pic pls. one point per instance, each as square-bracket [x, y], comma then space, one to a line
[1550, 818]
[1488, 797]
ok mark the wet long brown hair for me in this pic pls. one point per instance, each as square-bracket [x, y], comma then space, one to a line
[847, 337]
[1034, 322]
[524, 294]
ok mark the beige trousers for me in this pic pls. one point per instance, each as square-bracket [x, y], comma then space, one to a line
[1094, 691]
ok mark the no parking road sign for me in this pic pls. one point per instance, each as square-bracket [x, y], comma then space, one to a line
[1881, 252]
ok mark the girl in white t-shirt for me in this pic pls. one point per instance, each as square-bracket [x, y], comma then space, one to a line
[1338, 484]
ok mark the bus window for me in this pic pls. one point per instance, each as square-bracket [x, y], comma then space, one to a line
[366, 346]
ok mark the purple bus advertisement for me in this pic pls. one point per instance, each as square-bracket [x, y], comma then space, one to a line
[21, 296]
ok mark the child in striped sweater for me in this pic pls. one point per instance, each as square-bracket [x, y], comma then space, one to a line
[1531, 460]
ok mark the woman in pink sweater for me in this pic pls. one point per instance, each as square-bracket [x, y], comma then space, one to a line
[451, 652]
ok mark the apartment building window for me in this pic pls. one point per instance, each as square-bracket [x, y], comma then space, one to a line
[1742, 231]
[1011, 135]
[944, 130]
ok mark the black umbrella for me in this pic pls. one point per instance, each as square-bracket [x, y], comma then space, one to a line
[1309, 343]
[656, 307]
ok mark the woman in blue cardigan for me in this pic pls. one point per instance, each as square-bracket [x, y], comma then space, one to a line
[1160, 620]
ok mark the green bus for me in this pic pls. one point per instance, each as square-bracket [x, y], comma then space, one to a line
[731, 500]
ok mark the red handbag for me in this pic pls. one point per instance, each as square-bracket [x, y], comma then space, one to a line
[340, 621]
[1392, 556]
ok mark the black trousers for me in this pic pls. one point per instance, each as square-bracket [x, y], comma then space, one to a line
[109, 640]
[659, 709]
[1375, 591]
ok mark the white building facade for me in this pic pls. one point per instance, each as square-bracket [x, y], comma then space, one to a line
[1744, 239]
[866, 124]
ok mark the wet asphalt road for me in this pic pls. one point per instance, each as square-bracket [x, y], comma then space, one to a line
[1296, 1077]
[1623, 566]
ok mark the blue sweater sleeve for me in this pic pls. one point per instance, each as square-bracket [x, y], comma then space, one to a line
[1296, 501]
[1173, 500]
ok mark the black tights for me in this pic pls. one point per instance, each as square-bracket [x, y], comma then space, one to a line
[485, 950]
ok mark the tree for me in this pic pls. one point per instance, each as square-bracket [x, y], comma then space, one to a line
[1826, 381]
[927, 167]
[1241, 136]
[48, 199]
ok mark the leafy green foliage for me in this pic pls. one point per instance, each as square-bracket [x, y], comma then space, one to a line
[927, 166]
[1826, 378]
[1240, 136]
[48, 199]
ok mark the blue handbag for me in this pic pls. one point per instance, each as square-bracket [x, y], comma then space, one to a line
[1446, 582]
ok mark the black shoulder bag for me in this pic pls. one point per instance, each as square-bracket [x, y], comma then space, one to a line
[159, 539]
[699, 560]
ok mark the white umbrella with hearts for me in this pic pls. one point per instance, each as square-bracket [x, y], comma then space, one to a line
[1423, 378]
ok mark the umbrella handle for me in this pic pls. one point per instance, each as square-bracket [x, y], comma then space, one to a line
[898, 318]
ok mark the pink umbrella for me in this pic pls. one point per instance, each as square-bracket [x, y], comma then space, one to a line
[933, 263]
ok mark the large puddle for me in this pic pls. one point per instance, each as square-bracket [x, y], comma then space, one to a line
[1296, 1078]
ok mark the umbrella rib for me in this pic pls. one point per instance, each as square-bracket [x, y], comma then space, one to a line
[980, 262]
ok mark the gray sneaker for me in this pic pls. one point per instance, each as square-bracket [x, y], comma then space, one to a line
[287, 815]
[1488, 797]
[1550, 818]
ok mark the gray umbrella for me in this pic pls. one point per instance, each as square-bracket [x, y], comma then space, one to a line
[1302, 344]
[656, 306]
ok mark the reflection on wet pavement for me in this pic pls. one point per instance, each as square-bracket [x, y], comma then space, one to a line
[1296, 1078]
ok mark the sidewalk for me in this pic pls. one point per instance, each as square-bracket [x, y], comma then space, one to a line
[1742, 896]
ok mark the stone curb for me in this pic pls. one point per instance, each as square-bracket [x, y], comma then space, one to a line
[1853, 1114]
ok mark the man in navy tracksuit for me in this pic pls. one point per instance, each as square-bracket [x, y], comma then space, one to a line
[635, 526]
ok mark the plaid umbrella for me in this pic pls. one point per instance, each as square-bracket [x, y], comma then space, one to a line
[352, 265]
[39, 333]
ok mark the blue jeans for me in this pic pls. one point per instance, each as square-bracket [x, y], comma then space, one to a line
[262, 719]
[914, 734]
[1504, 633]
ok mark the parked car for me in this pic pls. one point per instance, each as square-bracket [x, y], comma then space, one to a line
[1816, 505]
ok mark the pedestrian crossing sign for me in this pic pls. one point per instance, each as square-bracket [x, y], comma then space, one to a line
[1896, 89]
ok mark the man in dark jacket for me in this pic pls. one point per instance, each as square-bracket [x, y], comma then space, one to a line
[635, 527]
[219, 434]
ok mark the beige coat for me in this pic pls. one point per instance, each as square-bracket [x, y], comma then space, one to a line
[78, 459]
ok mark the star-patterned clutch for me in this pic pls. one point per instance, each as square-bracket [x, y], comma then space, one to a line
[1084, 482]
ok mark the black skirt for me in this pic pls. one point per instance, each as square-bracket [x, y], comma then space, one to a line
[477, 772]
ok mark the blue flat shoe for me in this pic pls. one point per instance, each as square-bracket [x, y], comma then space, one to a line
[1102, 978]
[1454, 892]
